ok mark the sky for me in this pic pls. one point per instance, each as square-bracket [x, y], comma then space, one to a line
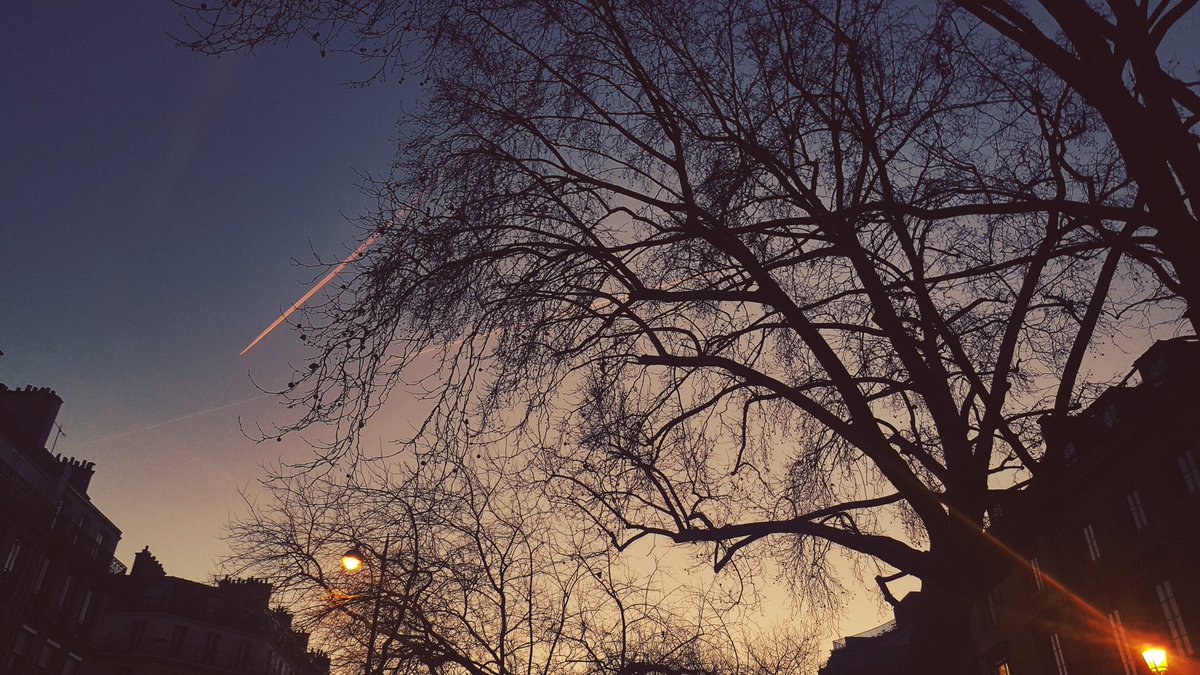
[152, 201]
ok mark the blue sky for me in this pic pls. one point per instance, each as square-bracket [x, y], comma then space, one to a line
[151, 203]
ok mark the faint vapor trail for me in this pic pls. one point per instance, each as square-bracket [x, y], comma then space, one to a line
[312, 291]
[173, 420]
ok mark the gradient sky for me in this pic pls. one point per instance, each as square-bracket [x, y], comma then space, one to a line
[151, 203]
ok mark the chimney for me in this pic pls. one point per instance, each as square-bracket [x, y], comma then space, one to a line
[248, 592]
[32, 411]
[146, 565]
[79, 473]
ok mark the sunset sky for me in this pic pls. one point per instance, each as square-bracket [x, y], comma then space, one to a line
[152, 202]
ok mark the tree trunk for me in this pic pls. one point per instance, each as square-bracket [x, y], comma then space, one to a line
[1181, 245]
[966, 564]
[941, 639]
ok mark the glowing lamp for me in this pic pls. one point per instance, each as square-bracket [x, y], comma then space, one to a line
[352, 561]
[1156, 659]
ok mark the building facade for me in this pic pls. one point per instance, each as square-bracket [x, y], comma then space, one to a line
[1104, 541]
[154, 624]
[878, 650]
[1106, 538]
[56, 547]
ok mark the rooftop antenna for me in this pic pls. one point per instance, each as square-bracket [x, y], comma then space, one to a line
[60, 434]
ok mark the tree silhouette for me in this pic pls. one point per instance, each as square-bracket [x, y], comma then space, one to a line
[759, 277]
[1110, 53]
[462, 577]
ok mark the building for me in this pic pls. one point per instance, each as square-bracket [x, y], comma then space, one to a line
[154, 624]
[1104, 541]
[878, 650]
[56, 547]
[1107, 536]
[66, 604]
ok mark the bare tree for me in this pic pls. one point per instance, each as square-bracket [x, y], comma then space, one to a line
[753, 276]
[462, 577]
[1111, 53]
[447, 583]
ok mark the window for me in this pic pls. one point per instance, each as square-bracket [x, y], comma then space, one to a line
[83, 607]
[1089, 537]
[1121, 640]
[1166, 597]
[178, 640]
[97, 545]
[1002, 668]
[49, 651]
[66, 589]
[212, 643]
[991, 607]
[71, 664]
[243, 654]
[1036, 569]
[1158, 368]
[41, 577]
[1135, 509]
[1110, 417]
[137, 630]
[1187, 467]
[24, 637]
[1060, 661]
[13, 554]
[152, 596]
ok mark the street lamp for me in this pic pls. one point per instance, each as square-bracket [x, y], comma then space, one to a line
[352, 561]
[1156, 659]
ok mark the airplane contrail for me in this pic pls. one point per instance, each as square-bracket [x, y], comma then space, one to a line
[599, 303]
[173, 420]
[312, 291]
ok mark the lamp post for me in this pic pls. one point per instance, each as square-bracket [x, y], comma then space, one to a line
[1156, 659]
[352, 562]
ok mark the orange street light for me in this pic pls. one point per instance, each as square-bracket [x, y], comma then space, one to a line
[1156, 659]
[352, 560]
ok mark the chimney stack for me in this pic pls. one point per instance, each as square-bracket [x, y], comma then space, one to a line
[33, 411]
[146, 565]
